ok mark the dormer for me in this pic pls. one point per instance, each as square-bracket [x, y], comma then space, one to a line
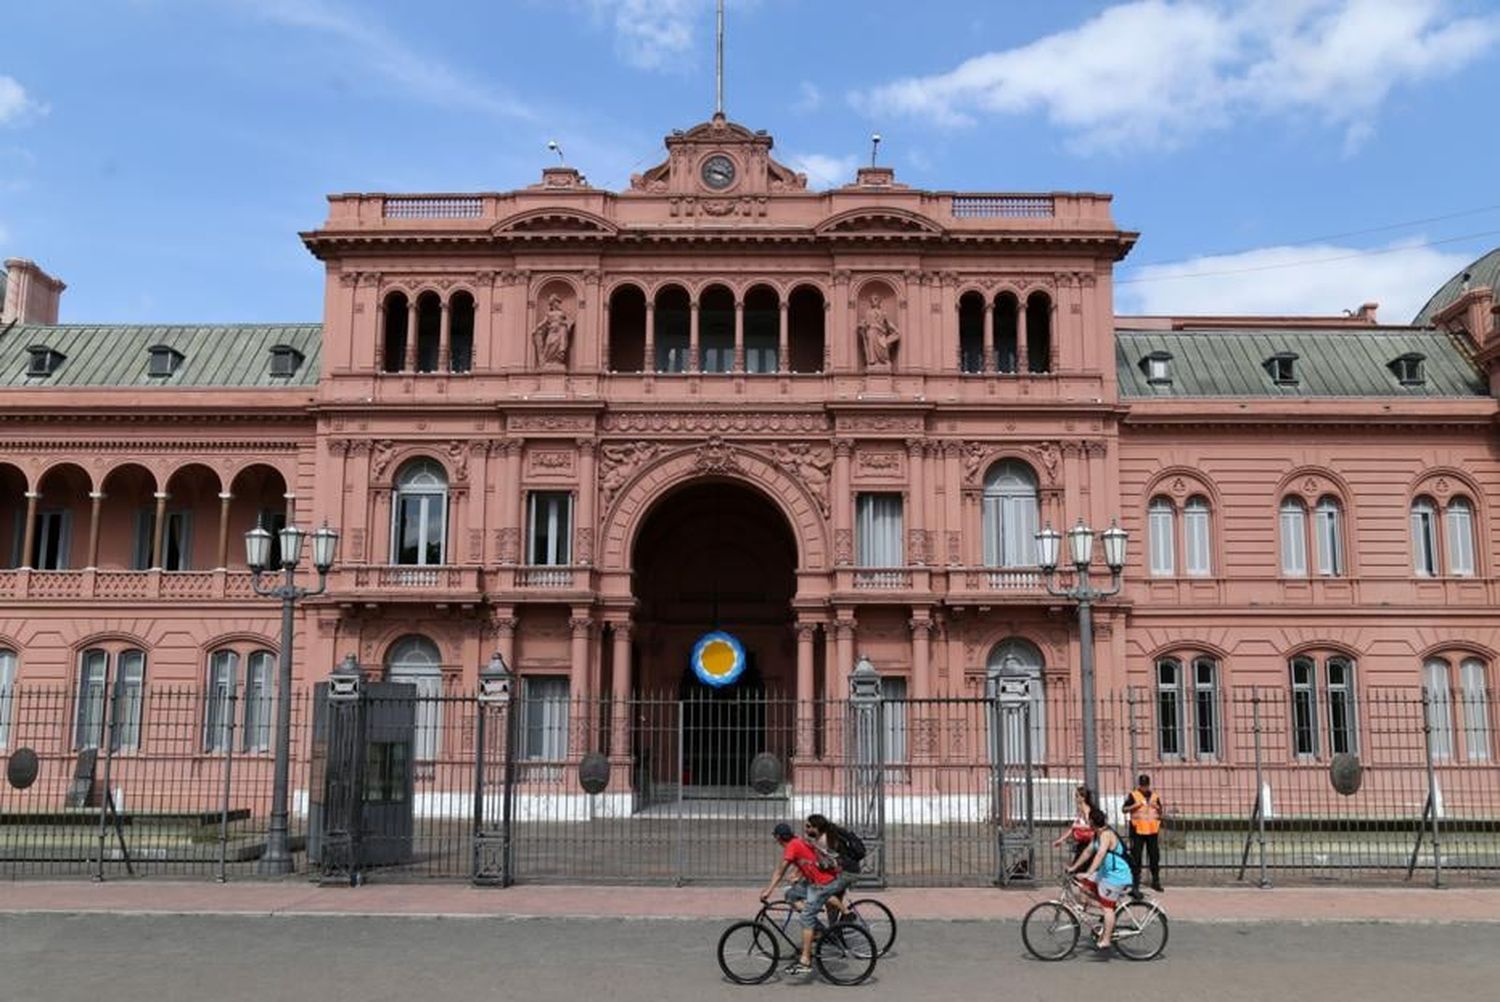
[1157, 367]
[1282, 368]
[1409, 368]
[285, 361]
[163, 360]
[44, 360]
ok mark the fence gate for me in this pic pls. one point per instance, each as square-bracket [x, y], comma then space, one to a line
[1013, 776]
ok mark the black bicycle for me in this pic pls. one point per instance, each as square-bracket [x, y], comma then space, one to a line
[750, 951]
[868, 914]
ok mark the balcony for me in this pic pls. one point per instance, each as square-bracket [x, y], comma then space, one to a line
[538, 581]
[439, 584]
[124, 586]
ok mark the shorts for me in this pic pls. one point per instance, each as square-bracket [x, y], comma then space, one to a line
[813, 898]
[1105, 893]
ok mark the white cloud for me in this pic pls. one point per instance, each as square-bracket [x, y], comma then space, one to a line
[809, 98]
[1305, 280]
[1157, 72]
[650, 34]
[824, 171]
[15, 104]
[419, 74]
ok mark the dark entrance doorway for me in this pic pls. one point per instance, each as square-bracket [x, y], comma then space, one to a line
[717, 555]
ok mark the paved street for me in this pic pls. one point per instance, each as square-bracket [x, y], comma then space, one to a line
[61, 958]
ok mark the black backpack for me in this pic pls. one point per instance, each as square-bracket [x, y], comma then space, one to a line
[850, 848]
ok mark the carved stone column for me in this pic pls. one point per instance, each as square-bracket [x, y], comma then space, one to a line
[510, 510]
[28, 537]
[739, 335]
[953, 528]
[445, 338]
[650, 360]
[921, 654]
[380, 335]
[505, 639]
[916, 532]
[838, 673]
[96, 503]
[578, 681]
[1022, 364]
[619, 736]
[990, 363]
[584, 530]
[693, 336]
[806, 743]
[783, 345]
[409, 364]
[843, 540]
[223, 553]
[158, 532]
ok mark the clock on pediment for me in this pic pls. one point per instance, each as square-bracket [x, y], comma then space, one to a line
[718, 172]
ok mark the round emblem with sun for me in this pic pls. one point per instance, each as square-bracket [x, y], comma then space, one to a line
[718, 659]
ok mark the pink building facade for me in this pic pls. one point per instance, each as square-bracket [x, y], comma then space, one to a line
[582, 427]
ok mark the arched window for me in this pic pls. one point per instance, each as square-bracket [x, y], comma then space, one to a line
[224, 695]
[429, 331]
[1328, 532]
[393, 344]
[1018, 659]
[1338, 705]
[461, 332]
[124, 674]
[1161, 524]
[971, 332]
[1439, 707]
[1195, 537]
[1039, 333]
[1293, 538]
[806, 338]
[417, 661]
[627, 329]
[419, 518]
[1187, 707]
[1007, 332]
[1010, 515]
[1169, 740]
[1459, 523]
[1304, 673]
[218, 709]
[7, 687]
[672, 333]
[1473, 682]
[1424, 555]
[1458, 702]
[762, 330]
[716, 330]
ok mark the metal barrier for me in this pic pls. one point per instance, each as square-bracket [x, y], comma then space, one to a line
[675, 789]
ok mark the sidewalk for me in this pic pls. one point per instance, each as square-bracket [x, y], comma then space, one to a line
[1301, 904]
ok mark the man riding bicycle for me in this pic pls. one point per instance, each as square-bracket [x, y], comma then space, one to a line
[816, 884]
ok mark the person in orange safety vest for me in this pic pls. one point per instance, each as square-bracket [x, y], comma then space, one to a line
[1144, 805]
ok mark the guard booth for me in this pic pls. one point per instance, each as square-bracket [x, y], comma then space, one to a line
[360, 809]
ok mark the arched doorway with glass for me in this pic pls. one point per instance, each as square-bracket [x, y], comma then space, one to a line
[1018, 660]
[713, 555]
[416, 660]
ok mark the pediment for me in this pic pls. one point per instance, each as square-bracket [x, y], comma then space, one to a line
[555, 222]
[878, 221]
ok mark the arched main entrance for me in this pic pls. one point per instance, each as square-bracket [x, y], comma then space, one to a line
[717, 554]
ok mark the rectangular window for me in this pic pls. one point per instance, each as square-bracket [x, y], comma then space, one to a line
[544, 717]
[1169, 708]
[878, 531]
[176, 542]
[1460, 520]
[1476, 715]
[88, 731]
[1293, 539]
[1304, 708]
[1010, 524]
[1343, 726]
[760, 358]
[1424, 539]
[1330, 541]
[420, 529]
[49, 546]
[1195, 538]
[260, 690]
[893, 748]
[549, 529]
[218, 711]
[130, 695]
[1206, 706]
[1439, 708]
[427, 704]
[7, 690]
[1162, 530]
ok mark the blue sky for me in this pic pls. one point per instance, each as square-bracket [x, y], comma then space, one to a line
[1276, 155]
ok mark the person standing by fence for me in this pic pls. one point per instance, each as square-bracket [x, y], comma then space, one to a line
[1145, 808]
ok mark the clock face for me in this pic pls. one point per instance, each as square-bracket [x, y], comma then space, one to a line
[718, 171]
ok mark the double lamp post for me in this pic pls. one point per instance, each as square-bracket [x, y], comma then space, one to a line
[1084, 594]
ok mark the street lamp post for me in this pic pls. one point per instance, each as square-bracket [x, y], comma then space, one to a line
[277, 858]
[1082, 592]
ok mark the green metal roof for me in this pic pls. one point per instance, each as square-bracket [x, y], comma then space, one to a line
[229, 355]
[1482, 271]
[1348, 362]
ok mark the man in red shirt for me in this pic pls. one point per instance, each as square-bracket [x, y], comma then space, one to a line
[813, 888]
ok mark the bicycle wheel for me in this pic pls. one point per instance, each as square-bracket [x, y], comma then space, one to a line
[748, 953]
[876, 919]
[1050, 930]
[1140, 930]
[845, 955]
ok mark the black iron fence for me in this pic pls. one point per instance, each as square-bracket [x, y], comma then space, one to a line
[393, 784]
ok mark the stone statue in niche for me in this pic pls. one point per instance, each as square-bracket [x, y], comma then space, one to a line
[551, 335]
[878, 336]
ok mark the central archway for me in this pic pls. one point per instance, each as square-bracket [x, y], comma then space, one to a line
[717, 554]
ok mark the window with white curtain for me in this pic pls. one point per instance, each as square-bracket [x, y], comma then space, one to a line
[878, 531]
[7, 689]
[130, 697]
[549, 529]
[128, 684]
[417, 661]
[1343, 706]
[1195, 537]
[1473, 682]
[1206, 707]
[893, 746]
[1424, 537]
[1161, 526]
[260, 691]
[1293, 538]
[1169, 708]
[93, 667]
[1459, 519]
[1304, 672]
[1017, 658]
[1329, 532]
[1439, 707]
[544, 717]
[419, 517]
[223, 673]
[1010, 515]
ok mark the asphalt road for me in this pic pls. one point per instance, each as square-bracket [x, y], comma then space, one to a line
[122, 958]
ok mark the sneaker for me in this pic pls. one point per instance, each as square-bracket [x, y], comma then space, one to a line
[796, 969]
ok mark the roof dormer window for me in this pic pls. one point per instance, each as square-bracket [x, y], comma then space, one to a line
[285, 361]
[164, 361]
[1282, 367]
[1409, 369]
[44, 360]
[1158, 368]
